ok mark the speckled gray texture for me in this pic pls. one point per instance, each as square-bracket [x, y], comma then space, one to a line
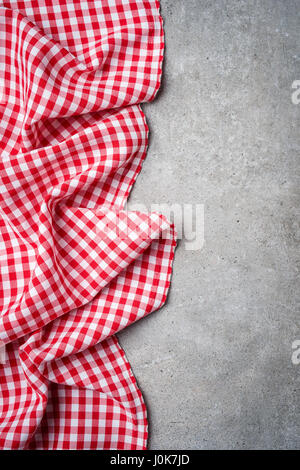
[214, 364]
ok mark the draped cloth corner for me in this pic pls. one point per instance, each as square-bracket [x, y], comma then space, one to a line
[75, 266]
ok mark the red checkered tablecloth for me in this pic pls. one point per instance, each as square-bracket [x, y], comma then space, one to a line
[75, 266]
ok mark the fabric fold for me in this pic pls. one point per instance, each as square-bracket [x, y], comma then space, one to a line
[75, 266]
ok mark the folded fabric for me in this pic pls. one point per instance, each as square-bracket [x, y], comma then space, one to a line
[75, 266]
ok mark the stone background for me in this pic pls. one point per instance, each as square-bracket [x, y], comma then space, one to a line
[214, 363]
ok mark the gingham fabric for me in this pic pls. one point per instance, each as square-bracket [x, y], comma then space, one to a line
[75, 266]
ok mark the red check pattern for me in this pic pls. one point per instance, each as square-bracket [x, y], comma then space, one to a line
[75, 266]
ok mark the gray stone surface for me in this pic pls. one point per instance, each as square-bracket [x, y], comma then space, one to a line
[214, 363]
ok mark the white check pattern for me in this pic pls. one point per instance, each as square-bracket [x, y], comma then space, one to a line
[75, 266]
